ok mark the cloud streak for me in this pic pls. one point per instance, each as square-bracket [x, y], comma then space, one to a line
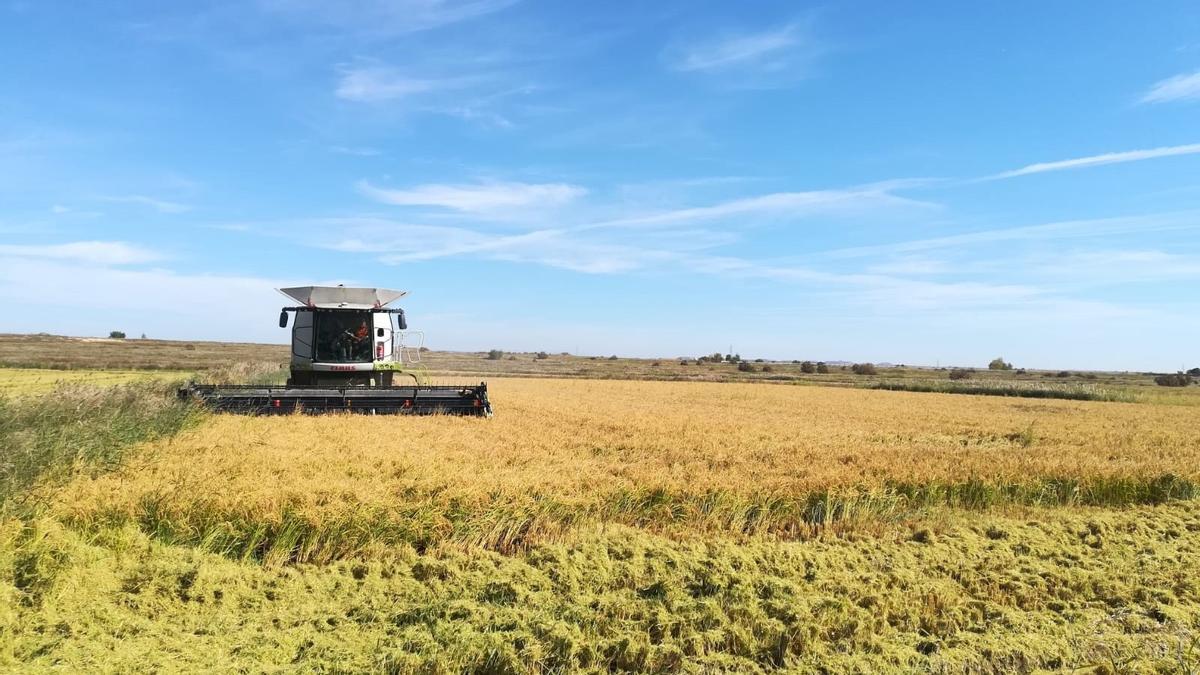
[1098, 160]
[373, 85]
[160, 205]
[1070, 229]
[477, 198]
[754, 49]
[776, 205]
[1180, 87]
[386, 17]
[93, 252]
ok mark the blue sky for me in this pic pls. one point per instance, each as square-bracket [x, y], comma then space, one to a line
[937, 182]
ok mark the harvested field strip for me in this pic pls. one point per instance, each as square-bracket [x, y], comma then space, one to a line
[1071, 392]
[24, 381]
[738, 460]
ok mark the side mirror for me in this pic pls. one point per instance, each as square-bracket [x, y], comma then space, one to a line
[283, 319]
[401, 321]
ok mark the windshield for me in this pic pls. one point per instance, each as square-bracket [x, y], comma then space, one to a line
[343, 337]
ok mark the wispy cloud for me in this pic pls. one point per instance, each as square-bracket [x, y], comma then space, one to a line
[1069, 229]
[386, 17]
[1097, 160]
[765, 49]
[476, 198]
[355, 151]
[160, 205]
[94, 252]
[375, 84]
[779, 204]
[1175, 88]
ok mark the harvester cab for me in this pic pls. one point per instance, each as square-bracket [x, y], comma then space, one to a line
[348, 336]
[350, 352]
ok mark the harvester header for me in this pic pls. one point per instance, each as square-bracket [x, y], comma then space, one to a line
[352, 353]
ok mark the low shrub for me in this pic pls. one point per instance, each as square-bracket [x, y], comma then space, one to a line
[745, 367]
[864, 369]
[1176, 380]
[495, 355]
[961, 374]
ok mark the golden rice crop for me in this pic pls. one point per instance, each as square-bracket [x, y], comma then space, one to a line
[665, 456]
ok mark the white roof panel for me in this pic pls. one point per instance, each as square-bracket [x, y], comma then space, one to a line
[342, 297]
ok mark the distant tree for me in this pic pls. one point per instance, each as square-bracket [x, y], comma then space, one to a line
[143, 336]
[760, 360]
[822, 369]
[116, 335]
[613, 357]
[1063, 373]
[745, 367]
[960, 374]
[540, 356]
[1194, 372]
[683, 362]
[999, 363]
[796, 361]
[767, 369]
[1176, 380]
[864, 369]
[423, 349]
[495, 355]
[808, 367]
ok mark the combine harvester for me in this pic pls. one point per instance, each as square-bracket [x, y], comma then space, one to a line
[348, 355]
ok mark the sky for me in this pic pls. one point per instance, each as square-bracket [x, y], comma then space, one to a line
[923, 183]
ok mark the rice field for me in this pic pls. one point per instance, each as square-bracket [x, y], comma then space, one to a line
[599, 526]
[672, 458]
